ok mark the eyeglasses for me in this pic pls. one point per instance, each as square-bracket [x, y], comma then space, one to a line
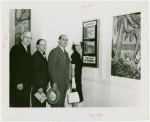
[30, 38]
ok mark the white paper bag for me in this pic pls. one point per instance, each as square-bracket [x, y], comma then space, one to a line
[73, 97]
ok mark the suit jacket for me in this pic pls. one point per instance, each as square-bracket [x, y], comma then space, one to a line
[20, 67]
[58, 67]
[40, 71]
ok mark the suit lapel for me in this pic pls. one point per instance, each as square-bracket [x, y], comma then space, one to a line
[41, 56]
[23, 49]
[61, 52]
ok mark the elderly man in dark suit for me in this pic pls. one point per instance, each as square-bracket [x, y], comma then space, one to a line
[40, 72]
[58, 66]
[21, 72]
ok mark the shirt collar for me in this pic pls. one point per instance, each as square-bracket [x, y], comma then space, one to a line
[41, 52]
[24, 45]
[62, 48]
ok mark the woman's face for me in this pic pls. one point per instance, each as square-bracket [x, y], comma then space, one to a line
[78, 47]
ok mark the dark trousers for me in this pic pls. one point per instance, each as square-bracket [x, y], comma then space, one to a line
[36, 102]
[63, 91]
[20, 98]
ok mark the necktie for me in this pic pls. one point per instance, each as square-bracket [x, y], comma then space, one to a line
[65, 52]
[44, 55]
[28, 51]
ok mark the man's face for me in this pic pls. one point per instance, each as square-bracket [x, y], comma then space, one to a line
[42, 46]
[63, 41]
[26, 38]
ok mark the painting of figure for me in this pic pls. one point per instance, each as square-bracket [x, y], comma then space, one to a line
[126, 46]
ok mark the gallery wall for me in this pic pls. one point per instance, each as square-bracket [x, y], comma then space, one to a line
[67, 17]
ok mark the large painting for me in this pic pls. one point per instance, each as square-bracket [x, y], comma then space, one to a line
[126, 46]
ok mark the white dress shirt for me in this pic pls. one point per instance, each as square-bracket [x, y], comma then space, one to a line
[61, 48]
[24, 46]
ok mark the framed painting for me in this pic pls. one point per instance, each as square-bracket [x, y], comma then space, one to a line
[126, 46]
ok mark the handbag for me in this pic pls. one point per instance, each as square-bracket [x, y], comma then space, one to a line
[73, 97]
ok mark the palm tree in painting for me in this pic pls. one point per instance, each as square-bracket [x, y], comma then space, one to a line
[124, 27]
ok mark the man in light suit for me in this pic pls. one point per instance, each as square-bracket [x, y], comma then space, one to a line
[58, 66]
[21, 72]
[40, 72]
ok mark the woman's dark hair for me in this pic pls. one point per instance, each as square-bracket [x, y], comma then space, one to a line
[73, 46]
[38, 41]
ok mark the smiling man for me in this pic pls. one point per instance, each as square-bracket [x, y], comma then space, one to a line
[40, 72]
[21, 72]
[58, 66]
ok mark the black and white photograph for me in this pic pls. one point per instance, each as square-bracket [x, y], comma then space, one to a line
[75, 61]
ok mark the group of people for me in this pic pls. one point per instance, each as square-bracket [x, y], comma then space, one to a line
[32, 74]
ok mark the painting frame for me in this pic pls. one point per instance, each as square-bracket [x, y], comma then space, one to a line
[91, 36]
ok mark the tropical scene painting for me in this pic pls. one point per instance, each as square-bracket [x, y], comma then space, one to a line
[126, 46]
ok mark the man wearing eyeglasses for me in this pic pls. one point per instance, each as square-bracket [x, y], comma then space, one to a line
[21, 72]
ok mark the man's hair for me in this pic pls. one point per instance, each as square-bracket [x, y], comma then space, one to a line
[38, 41]
[25, 32]
[61, 36]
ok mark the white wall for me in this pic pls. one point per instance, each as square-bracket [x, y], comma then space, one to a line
[36, 28]
[66, 18]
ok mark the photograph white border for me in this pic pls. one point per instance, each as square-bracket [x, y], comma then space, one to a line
[78, 114]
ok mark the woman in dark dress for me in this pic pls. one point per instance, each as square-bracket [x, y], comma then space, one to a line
[76, 72]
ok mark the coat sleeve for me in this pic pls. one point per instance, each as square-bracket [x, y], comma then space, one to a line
[37, 80]
[73, 59]
[16, 70]
[52, 62]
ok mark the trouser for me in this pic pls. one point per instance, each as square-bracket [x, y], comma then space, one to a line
[63, 91]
